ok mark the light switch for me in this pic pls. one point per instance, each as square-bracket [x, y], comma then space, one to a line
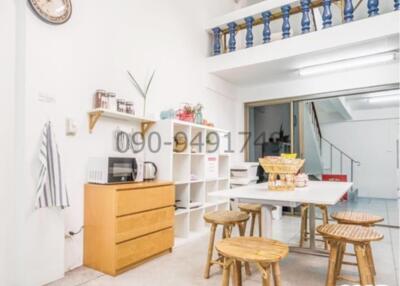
[70, 127]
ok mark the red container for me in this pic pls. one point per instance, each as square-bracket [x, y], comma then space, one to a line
[186, 116]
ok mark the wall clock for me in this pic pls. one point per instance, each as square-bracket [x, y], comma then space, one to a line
[52, 11]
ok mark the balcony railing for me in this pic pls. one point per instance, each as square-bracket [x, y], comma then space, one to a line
[225, 37]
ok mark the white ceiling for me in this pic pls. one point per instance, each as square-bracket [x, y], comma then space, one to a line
[287, 68]
[356, 107]
[362, 102]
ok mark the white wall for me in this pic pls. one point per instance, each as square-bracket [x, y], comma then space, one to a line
[373, 143]
[93, 50]
[7, 151]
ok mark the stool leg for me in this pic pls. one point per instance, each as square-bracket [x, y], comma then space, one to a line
[226, 271]
[371, 259]
[331, 278]
[363, 267]
[210, 251]
[266, 276]
[340, 255]
[253, 222]
[325, 218]
[242, 230]
[259, 224]
[237, 273]
[276, 272]
[228, 231]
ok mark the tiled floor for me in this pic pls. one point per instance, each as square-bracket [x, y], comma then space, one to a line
[388, 209]
[184, 267]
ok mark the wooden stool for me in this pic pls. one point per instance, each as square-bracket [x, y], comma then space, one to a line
[228, 219]
[304, 222]
[338, 235]
[255, 212]
[265, 253]
[357, 218]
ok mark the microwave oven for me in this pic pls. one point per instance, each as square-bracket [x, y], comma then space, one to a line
[114, 170]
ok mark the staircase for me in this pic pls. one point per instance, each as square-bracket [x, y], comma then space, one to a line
[322, 156]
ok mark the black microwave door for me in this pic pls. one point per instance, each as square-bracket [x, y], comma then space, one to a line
[121, 169]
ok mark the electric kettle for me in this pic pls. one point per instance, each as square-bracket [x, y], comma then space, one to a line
[150, 171]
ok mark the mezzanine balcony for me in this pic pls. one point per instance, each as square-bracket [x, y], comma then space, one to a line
[274, 37]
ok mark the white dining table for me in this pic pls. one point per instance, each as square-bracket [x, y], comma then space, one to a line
[315, 193]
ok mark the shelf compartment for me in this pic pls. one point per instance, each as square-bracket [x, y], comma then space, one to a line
[198, 167]
[181, 168]
[96, 114]
[197, 193]
[198, 140]
[213, 142]
[223, 167]
[182, 225]
[183, 130]
[182, 193]
[211, 186]
[211, 167]
[223, 185]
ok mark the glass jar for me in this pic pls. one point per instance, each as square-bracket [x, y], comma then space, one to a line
[120, 105]
[104, 101]
[112, 101]
[129, 108]
[98, 98]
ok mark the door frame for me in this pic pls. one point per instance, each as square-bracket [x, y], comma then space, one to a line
[302, 98]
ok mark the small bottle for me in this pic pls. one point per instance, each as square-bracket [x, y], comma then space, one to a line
[120, 105]
[112, 101]
[98, 98]
[129, 108]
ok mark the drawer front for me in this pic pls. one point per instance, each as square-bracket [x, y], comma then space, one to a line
[136, 250]
[139, 224]
[139, 200]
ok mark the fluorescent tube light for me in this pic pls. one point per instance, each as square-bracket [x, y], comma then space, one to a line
[381, 99]
[347, 64]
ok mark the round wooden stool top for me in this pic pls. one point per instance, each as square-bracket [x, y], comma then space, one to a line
[226, 217]
[250, 208]
[350, 217]
[349, 233]
[253, 249]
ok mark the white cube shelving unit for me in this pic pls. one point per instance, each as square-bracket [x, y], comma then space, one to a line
[201, 168]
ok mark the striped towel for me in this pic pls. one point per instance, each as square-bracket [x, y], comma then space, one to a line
[51, 190]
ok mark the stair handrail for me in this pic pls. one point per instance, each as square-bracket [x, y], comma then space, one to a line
[317, 127]
[341, 151]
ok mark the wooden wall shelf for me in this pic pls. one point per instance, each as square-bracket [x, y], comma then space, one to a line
[95, 114]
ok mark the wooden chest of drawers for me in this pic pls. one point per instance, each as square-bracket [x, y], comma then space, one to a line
[127, 224]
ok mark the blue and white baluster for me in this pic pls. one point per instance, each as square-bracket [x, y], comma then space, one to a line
[232, 34]
[217, 41]
[373, 7]
[348, 11]
[327, 14]
[305, 20]
[286, 24]
[396, 4]
[249, 34]
[267, 30]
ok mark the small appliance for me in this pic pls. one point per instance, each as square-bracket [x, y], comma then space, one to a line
[114, 170]
[150, 171]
